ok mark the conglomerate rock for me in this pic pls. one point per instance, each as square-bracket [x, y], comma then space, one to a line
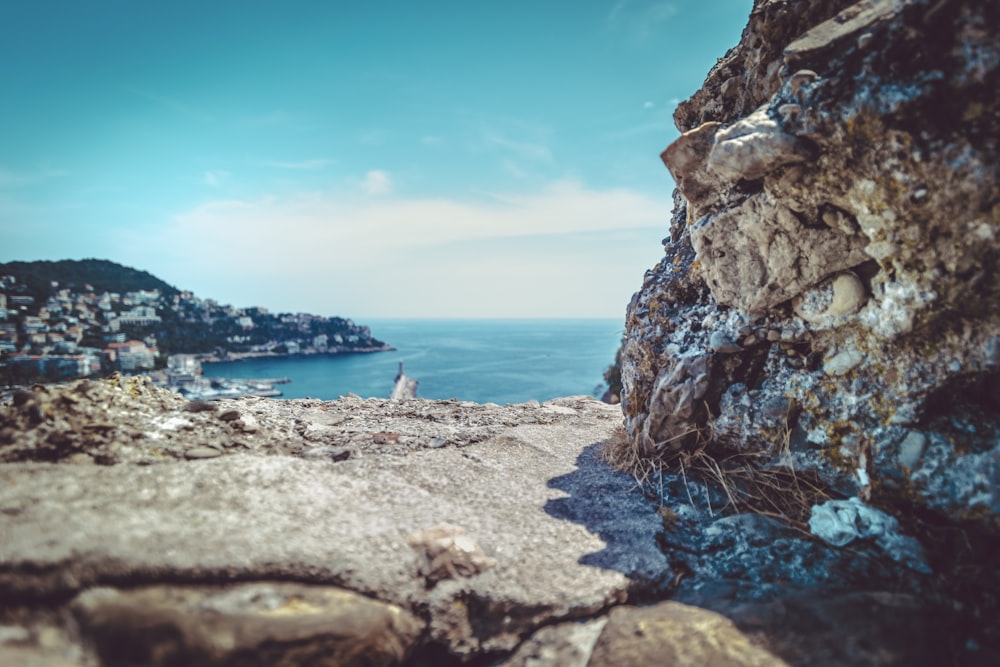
[828, 307]
[830, 296]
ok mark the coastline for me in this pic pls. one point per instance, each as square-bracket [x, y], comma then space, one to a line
[309, 352]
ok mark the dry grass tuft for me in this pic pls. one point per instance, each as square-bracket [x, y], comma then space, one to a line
[778, 492]
[619, 453]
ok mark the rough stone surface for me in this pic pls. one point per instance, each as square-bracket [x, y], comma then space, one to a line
[838, 218]
[485, 522]
[671, 633]
[563, 645]
[461, 532]
[261, 623]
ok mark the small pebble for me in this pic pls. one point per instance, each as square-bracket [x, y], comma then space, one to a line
[202, 453]
[723, 344]
[230, 415]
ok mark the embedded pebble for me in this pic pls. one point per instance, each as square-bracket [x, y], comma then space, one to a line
[229, 415]
[842, 362]
[848, 294]
[202, 453]
[722, 343]
[911, 450]
[200, 406]
[832, 299]
[448, 553]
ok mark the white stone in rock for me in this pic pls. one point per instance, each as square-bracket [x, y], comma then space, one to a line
[827, 303]
[753, 147]
[758, 254]
[911, 450]
[720, 342]
[840, 522]
[842, 362]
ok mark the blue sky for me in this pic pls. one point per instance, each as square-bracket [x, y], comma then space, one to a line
[380, 159]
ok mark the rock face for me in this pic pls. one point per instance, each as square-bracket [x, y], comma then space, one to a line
[830, 297]
[828, 308]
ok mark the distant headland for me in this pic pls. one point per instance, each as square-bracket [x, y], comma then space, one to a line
[67, 319]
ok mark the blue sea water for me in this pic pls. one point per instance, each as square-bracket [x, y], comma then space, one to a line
[500, 361]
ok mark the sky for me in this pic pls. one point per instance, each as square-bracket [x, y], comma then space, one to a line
[360, 159]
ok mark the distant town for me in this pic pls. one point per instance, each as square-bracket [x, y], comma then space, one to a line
[52, 331]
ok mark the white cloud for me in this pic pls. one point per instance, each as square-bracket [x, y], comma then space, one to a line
[378, 183]
[215, 178]
[563, 250]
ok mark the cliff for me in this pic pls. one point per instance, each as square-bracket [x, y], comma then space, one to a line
[826, 320]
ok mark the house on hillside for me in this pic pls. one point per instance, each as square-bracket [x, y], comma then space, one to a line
[130, 356]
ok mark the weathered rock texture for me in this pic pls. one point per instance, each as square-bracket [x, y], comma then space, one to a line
[829, 302]
[141, 529]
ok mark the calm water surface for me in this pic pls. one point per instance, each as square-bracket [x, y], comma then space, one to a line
[503, 361]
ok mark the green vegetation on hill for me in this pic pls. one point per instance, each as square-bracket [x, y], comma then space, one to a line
[101, 274]
[94, 302]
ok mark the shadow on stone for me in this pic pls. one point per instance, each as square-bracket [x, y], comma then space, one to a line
[612, 506]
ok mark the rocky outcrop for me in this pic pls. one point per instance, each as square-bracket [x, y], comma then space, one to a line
[828, 308]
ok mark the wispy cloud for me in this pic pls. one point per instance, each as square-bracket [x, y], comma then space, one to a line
[378, 183]
[510, 245]
[314, 163]
[520, 254]
[527, 150]
[215, 178]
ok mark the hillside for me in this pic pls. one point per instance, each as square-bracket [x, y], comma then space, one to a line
[67, 319]
[102, 275]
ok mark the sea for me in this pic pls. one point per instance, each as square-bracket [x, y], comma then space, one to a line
[498, 361]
